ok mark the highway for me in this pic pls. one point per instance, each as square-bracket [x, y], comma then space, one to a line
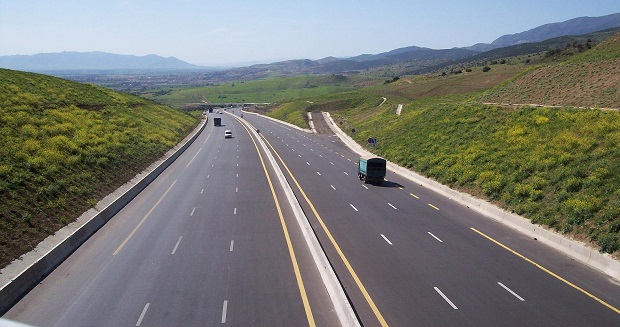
[211, 242]
[408, 257]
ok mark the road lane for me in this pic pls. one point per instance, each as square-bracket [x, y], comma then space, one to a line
[464, 266]
[167, 258]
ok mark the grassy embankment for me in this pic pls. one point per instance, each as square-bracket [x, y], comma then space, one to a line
[66, 145]
[556, 166]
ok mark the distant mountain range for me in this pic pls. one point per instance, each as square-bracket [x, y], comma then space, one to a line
[91, 61]
[575, 26]
[413, 57]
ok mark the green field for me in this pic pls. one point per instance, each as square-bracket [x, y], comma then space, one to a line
[65, 146]
[270, 90]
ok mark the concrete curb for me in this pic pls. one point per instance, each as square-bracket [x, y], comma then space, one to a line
[577, 250]
[22, 275]
[341, 303]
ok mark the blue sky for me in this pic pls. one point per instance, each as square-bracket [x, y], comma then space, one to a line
[225, 32]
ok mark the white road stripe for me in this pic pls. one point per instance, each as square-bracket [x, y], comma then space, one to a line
[354, 208]
[391, 205]
[346, 173]
[511, 292]
[146, 307]
[224, 309]
[331, 163]
[236, 190]
[386, 239]
[202, 191]
[190, 162]
[333, 187]
[318, 173]
[366, 187]
[437, 238]
[307, 163]
[232, 244]
[177, 245]
[193, 210]
[208, 176]
[235, 211]
[445, 298]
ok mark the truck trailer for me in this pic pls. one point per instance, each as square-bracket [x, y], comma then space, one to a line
[371, 169]
[217, 121]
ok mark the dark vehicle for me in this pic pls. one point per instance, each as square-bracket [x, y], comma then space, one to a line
[371, 169]
[211, 110]
[217, 121]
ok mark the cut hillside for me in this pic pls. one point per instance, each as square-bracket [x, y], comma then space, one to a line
[555, 166]
[64, 146]
[589, 79]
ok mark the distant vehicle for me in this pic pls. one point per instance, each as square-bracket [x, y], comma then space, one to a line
[217, 121]
[210, 110]
[371, 169]
[227, 134]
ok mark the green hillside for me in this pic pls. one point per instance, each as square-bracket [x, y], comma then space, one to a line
[66, 145]
[557, 166]
[589, 79]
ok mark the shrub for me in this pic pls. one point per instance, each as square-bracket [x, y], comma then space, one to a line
[609, 243]
[486, 69]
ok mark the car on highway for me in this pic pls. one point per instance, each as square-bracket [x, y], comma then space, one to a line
[227, 134]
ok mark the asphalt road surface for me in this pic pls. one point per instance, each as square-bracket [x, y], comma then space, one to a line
[409, 257]
[203, 245]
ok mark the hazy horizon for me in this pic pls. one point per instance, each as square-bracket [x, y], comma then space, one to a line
[217, 33]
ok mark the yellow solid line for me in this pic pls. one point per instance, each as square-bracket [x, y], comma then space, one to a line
[616, 310]
[300, 283]
[371, 303]
[432, 206]
[415, 196]
[120, 247]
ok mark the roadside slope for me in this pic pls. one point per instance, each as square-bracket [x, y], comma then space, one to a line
[590, 79]
[64, 146]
